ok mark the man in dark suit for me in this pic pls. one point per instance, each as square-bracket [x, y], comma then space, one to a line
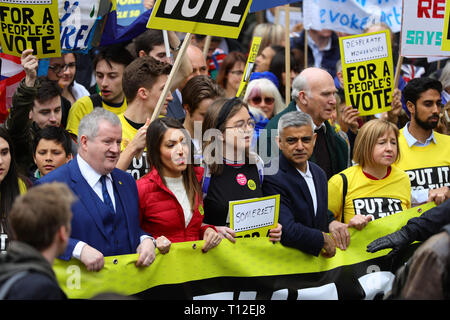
[106, 217]
[313, 92]
[302, 186]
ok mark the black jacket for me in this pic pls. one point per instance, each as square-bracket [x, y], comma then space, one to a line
[38, 284]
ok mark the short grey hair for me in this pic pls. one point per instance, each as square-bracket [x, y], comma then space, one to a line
[294, 119]
[89, 123]
[300, 83]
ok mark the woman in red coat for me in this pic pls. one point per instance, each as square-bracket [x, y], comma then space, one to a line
[170, 196]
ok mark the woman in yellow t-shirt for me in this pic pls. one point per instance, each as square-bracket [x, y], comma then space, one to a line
[372, 188]
[10, 186]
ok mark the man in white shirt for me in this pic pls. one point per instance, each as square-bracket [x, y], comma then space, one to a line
[424, 153]
[302, 186]
[106, 217]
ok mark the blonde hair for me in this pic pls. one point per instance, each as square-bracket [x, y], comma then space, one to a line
[367, 138]
[271, 34]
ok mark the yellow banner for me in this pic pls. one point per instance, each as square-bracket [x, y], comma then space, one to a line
[368, 71]
[30, 24]
[445, 44]
[248, 257]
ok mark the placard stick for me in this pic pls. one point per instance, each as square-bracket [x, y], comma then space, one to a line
[397, 71]
[176, 65]
[305, 50]
[167, 44]
[287, 56]
[206, 46]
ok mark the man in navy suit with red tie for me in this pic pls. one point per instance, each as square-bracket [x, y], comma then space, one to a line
[105, 218]
[302, 186]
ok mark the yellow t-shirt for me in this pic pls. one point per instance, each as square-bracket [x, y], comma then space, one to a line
[138, 167]
[366, 196]
[83, 106]
[427, 167]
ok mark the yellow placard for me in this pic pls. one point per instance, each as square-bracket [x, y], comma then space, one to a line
[221, 18]
[254, 217]
[445, 44]
[30, 24]
[368, 71]
[256, 42]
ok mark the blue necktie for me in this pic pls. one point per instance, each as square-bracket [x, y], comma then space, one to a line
[106, 198]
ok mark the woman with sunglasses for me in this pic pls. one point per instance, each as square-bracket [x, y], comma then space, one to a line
[170, 195]
[232, 171]
[264, 101]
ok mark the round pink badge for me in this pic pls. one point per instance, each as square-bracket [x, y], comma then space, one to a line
[241, 179]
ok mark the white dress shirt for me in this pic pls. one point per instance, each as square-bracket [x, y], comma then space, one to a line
[418, 196]
[310, 182]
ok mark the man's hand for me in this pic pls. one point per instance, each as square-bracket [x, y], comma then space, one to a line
[146, 252]
[438, 195]
[397, 241]
[30, 64]
[340, 233]
[163, 244]
[329, 248]
[212, 239]
[92, 258]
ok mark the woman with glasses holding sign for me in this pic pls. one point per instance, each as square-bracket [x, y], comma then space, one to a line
[232, 171]
[230, 73]
[371, 189]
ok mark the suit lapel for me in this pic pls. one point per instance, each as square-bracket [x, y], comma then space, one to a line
[86, 195]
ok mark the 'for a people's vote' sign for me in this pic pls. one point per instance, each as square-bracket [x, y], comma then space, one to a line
[368, 71]
[222, 18]
[254, 217]
[30, 24]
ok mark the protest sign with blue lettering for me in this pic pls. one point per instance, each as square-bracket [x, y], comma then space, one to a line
[351, 16]
[422, 24]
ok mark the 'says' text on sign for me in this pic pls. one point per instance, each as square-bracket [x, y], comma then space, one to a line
[368, 71]
[222, 18]
[30, 24]
[422, 25]
[254, 217]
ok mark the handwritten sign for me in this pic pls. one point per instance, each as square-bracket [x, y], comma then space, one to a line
[30, 24]
[351, 16]
[222, 18]
[254, 217]
[368, 71]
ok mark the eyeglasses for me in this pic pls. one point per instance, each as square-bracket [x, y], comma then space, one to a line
[57, 68]
[258, 100]
[242, 125]
[237, 72]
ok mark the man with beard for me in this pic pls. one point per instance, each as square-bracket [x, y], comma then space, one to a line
[424, 153]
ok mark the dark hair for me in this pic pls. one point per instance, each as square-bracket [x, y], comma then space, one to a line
[57, 134]
[114, 53]
[37, 215]
[9, 187]
[226, 66]
[212, 121]
[47, 89]
[197, 89]
[142, 72]
[154, 137]
[147, 40]
[415, 87]
[278, 66]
